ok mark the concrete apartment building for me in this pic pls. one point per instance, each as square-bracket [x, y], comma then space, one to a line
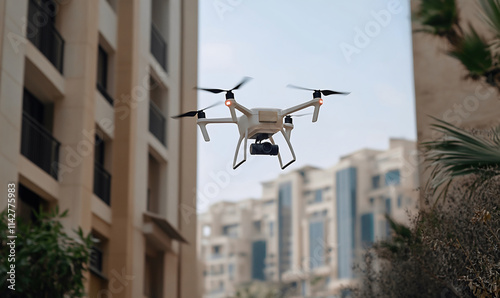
[311, 225]
[86, 91]
[440, 88]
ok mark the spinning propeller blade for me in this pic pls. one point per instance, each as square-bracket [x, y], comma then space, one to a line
[194, 113]
[299, 115]
[217, 91]
[324, 92]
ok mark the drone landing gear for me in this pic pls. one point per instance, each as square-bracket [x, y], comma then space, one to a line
[287, 139]
[259, 149]
[245, 136]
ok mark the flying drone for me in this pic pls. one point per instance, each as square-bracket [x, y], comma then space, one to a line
[259, 124]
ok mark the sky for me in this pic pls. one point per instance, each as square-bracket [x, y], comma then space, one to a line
[360, 46]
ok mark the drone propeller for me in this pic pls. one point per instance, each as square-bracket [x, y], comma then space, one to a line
[200, 113]
[299, 115]
[324, 92]
[229, 93]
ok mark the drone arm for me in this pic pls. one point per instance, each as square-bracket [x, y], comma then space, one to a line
[233, 106]
[316, 103]
[202, 123]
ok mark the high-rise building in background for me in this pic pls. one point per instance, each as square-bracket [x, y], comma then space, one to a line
[86, 91]
[441, 89]
[310, 226]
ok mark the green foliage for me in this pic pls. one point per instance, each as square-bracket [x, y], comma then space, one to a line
[477, 55]
[474, 53]
[460, 153]
[49, 263]
[491, 14]
[450, 251]
[438, 17]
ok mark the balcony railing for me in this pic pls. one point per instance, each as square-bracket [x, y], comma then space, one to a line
[39, 146]
[102, 183]
[157, 123]
[43, 35]
[158, 47]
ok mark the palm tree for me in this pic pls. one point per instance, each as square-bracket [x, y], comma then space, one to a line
[461, 153]
[478, 55]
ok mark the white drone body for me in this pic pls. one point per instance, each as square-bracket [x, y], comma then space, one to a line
[259, 123]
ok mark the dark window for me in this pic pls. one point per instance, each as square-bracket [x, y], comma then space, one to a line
[96, 259]
[99, 150]
[318, 196]
[102, 68]
[37, 142]
[42, 32]
[102, 179]
[367, 229]
[392, 178]
[102, 74]
[30, 202]
[34, 108]
[376, 182]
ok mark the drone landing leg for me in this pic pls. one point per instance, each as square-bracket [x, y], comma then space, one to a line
[287, 139]
[238, 149]
[279, 154]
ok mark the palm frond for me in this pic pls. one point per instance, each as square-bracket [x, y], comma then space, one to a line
[474, 53]
[460, 153]
[438, 16]
[491, 14]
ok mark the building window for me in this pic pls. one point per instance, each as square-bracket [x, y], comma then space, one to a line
[376, 181]
[400, 201]
[257, 226]
[271, 229]
[29, 203]
[285, 231]
[367, 229]
[102, 179]
[316, 244]
[230, 270]
[230, 230]
[346, 182]
[102, 74]
[258, 259]
[392, 178]
[318, 196]
[37, 143]
[42, 32]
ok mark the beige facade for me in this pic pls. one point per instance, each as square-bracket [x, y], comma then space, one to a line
[440, 88]
[315, 223]
[86, 91]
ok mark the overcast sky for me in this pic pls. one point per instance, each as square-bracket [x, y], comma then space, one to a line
[361, 46]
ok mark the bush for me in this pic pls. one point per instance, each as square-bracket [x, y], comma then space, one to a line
[48, 262]
[452, 250]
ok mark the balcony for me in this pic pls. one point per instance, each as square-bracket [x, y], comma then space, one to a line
[39, 146]
[158, 47]
[157, 123]
[44, 36]
[102, 183]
